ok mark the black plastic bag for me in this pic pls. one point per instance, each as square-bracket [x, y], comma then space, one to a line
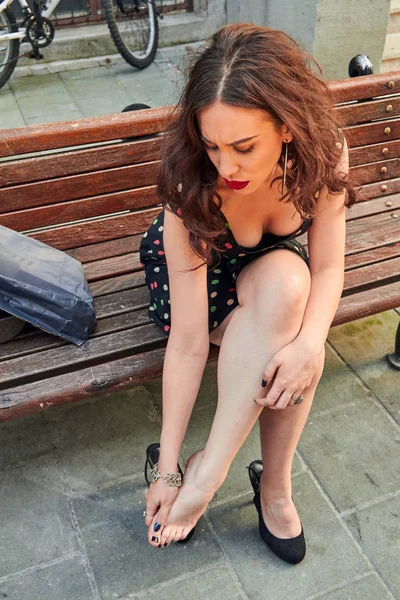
[45, 286]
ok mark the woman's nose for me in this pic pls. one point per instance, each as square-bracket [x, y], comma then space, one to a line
[227, 168]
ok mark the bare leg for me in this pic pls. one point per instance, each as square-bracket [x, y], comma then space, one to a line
[279, 434]
[273, 292]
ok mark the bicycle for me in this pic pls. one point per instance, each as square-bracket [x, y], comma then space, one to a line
[120, 16]
[138, 47]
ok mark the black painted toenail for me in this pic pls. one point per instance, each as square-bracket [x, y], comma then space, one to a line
[154, 539]
[165, 544]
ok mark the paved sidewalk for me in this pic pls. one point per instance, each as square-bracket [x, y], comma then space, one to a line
[90, 87]
[71, 478]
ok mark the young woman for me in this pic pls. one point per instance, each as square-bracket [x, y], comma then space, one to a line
[253, 157]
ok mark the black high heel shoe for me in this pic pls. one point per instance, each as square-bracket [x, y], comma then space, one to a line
[152, 455]
[291, 550]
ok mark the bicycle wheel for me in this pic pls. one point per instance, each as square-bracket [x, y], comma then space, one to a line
[133, 27]
[9, 49]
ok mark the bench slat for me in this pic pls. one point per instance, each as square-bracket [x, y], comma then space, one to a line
[374, 152]
[368, 86]
[75, 162]
[36, 138]
[381, 188]
[98, 379]
[365, 111]
[71, 358]
[68, 212]
[370, 276]
[372, 133]
[373, 207]
[38, 342]
[371, 173]
[71, 236]
[105, 250]
[101, 230]
[376, 255]
[77, 186]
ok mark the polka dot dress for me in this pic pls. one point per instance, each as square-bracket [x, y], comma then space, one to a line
[221, 278]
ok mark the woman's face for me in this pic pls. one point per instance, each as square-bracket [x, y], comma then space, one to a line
[254, 160]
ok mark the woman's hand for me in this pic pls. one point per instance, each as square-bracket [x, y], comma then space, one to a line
[159, 499]
[290, 371]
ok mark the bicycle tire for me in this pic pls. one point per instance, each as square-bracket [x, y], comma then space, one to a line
[8, 20]
[114, 25]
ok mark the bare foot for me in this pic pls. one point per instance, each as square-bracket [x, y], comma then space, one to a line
[281, 518]
[191, 502]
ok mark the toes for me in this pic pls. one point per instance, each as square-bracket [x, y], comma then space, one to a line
[153, 536]
[181, 534]
[165, 534]
[171, 537]
[185, 532]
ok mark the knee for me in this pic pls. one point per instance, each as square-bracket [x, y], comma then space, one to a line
[287, 291]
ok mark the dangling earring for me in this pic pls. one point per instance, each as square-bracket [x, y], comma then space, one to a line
[284, 169]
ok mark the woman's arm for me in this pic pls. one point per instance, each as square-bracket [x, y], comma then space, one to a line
[326, 247]
[181, 381]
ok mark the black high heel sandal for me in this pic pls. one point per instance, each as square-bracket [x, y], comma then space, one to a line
[152, 455]
[291, 550]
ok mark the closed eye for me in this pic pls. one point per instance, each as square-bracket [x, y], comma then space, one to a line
[237, 150]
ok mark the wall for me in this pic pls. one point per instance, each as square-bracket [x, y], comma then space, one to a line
[332, 32]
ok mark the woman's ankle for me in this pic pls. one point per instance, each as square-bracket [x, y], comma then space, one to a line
[276, 495]
[208, 479]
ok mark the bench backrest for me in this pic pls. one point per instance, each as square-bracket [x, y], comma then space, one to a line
[92, 181]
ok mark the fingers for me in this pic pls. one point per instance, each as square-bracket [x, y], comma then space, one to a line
[158, 524]
[151, 510]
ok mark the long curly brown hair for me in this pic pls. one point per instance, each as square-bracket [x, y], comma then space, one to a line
[251, 67]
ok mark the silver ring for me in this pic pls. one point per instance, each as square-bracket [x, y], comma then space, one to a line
[298, 400]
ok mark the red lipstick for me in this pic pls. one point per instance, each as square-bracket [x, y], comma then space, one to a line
[236, 185]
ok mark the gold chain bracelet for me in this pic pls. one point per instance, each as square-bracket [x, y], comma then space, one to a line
[173, 479]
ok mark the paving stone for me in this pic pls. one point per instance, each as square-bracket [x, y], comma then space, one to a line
[56, 104]
[104, 439]
[369, 588]
[35, 525]
[94, 73]
[10, 119]
[115, 537]
[102, 105]
[66, 580]
[37, 85]
[7, 101]
[332, 557]
[377, 529]
[364, 344]
[354, 453]
[337, 386]
[93, 87]
[215, 584]
[127, 70]
[23, 440]
[54, 117]
[154, 92]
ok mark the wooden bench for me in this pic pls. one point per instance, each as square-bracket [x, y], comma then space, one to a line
[87, 189]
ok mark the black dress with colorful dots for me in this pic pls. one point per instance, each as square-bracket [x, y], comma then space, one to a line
[221, 278]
